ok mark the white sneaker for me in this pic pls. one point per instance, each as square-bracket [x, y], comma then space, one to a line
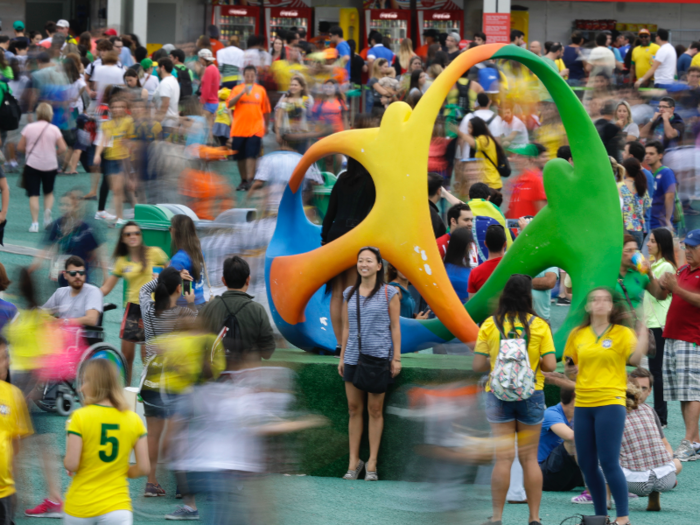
[34, 228]
[105, 216]
[47, 218]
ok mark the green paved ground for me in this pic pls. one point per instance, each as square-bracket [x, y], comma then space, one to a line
[308, 500]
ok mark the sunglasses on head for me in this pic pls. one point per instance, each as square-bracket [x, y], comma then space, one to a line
[73, 273]
[132, 234]
[373, 249]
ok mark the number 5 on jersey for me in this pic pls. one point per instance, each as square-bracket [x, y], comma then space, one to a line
[109, 440]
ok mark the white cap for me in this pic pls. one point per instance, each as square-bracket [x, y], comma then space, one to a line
[62, 23]
[205, 54]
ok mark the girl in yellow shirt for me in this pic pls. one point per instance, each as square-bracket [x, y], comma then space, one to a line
[481, 140]
[137, 264]
[596, 354]
[101, 436]
[515, 318]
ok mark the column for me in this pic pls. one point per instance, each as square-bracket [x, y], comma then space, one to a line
[140, 21]
[115, 9]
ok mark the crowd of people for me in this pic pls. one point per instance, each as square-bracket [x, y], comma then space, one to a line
[142, 125]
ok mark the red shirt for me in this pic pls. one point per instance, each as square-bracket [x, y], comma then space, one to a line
[442, 243]
[683, 319]
[480, 274]
[528, 189]
[209, 87]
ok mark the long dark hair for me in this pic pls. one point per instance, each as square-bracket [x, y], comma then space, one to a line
[458, 247]
[634, 170]
[415, 76]
[122, 250]
[380, 274]
[184, 237]
[515, 302]
[168, 281]
[26, 288]
[479, 128]
[664, 240]
[618, 315]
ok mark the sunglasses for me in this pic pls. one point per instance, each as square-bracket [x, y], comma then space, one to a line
[132, 234]
[373, 249]
[73, 273]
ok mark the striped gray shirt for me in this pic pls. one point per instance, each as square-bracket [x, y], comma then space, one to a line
[375, 324]
[153, 325]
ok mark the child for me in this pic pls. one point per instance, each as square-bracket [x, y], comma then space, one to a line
[222, 120]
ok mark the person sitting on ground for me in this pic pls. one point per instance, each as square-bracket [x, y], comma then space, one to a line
[646, 457]
[255, 329]
[495, 242]
[557, 453]
[79, 302]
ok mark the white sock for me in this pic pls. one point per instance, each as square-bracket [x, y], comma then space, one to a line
[189, 509]
[696, 445]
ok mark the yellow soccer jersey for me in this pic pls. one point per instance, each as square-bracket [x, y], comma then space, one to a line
[100, 485]
[14, 424]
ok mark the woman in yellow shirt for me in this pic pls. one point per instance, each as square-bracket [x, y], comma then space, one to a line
[596, 354]
[101, 436]
[115, 136]
[137, 264]
[481, 140]
[515, 318]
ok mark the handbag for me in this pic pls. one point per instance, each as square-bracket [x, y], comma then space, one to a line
[373, 374]
[651, 349]
[22, 179]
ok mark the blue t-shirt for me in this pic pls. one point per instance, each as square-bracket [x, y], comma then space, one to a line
[379, 51]
[616, 52]
[343, 50]
[182, 261]
[623, 50]
[488, 78]
[683, 63]
[542, 299]
[664, 179]
[459, 277]
[548, 439]
[8, 311]
[572, 60]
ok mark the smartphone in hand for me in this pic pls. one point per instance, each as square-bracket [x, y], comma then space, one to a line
[186, 287]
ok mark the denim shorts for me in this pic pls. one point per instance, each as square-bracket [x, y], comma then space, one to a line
[112, 167]
[528, 412]
[211, 107]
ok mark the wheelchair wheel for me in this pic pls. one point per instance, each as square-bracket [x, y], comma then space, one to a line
[47, 398]
[66, 403]
[101, 351]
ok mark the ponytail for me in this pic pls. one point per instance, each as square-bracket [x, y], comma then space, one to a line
[168, 281]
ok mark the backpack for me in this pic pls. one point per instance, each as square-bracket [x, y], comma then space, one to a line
[502, 165]
[10, 112]
[512, 378]
[185, 81]
[463, 96]
[230, 334]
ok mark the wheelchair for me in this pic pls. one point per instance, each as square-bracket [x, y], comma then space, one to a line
[64, 396]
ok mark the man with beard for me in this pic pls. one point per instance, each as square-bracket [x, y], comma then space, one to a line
[79, 302]
[513, 130]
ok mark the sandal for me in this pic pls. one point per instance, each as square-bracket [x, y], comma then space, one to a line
[354, 474]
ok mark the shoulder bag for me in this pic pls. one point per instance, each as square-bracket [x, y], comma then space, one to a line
[503, 166]
[373, 374]
[651, 349]
[22, 180]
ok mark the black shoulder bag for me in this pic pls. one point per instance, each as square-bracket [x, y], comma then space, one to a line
[503, 166]
[373, 374]
[651, 349]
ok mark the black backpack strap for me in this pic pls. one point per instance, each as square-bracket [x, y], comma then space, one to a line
[229, 310]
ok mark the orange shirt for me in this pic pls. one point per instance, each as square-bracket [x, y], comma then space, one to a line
[249, 112]
[422, 51]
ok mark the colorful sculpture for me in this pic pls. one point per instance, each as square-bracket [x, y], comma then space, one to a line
[578, 230]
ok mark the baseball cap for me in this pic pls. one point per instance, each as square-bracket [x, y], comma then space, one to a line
[111, 32]
[644, 31]
[146, 63]
[18, 25]
[206, 55]
[168, 48]
[62, 23]
[330, 53]
[529, 150]
[692, 238]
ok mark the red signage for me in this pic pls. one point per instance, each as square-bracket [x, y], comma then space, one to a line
[496, 26]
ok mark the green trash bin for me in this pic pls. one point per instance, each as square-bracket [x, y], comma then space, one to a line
[322, 194]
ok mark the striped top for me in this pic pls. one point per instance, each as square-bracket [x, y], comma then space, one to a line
[153, 325]
[375, 324]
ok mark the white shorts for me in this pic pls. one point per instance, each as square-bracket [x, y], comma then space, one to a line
[117, 517]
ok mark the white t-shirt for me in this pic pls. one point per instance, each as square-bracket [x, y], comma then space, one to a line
[105, 76]
[150, 85]
[231, 55]
[493, 121]
[71, 307]
[666, 72]
[275, 169]
[515, 125]
[169, 88]
[602, 60]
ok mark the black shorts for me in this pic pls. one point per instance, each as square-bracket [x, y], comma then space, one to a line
[153, 404]
[70, 136]
[132, 324]
[35, 180]
[247, 147]
[560, 472]
[349, 373]
[7, 509]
